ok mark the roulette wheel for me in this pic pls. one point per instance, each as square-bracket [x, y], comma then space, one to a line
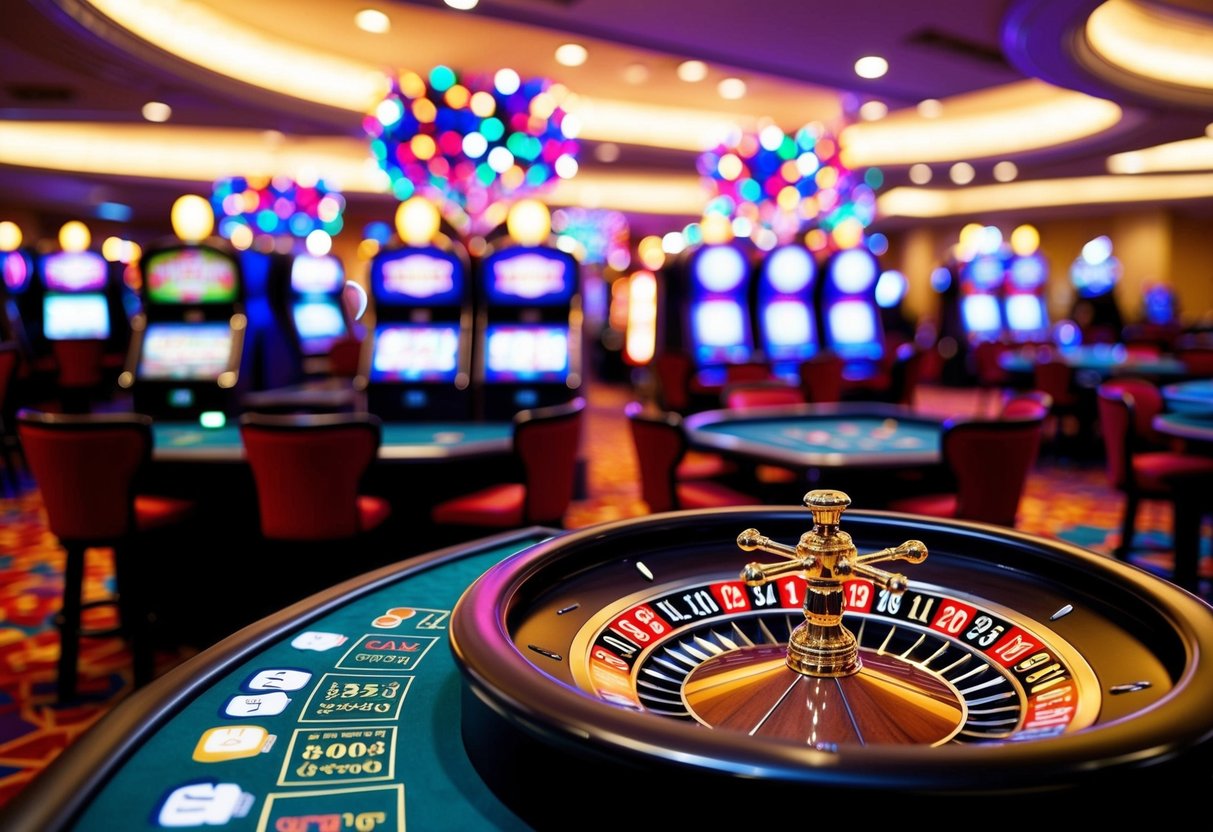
[654, 666]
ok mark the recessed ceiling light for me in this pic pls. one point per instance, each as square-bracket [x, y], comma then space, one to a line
[1006, 171]
[961, 173]
[635, 74]
[692, 71]
[462, 5]
[873, 110]
[731, 88]
[607, 152]
[920, 174]
[373, 21]
[571, 54]
[157, 111]
[871, 66]
[930, 108]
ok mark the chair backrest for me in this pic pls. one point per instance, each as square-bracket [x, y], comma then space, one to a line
[746, 395]
[746, 371]
[546, 442]
[1147, 403]
[660, 444]
[991, 460]
[80, 362]
[1054, 376]
[1117, 419]
[344, 357]
[308, 468]
[1030, 404]
[673, 371]
[10, 361]
[85, 466]
[821, 377]
[906, 373]
[1197, 360]
[989, 372]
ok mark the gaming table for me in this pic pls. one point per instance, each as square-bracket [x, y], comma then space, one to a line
[531, 677]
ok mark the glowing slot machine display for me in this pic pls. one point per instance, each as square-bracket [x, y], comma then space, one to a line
[187, 347]
[317, 315]
[1095, 274]
[786, 311]
[417, 360]
[719, 330]
[1024, 312]
[76, 296]
[981, 281]
[528, 352]
[851, 322]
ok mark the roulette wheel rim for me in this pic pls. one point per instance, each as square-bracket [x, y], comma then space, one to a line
[1166, 742]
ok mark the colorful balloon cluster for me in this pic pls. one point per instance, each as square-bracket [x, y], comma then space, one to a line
[276, 207]
[472, 141]
[792, 184]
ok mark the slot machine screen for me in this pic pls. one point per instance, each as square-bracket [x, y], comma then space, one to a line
[78, 271]
[17, 270]
[789, 330]
[529, 277]
[316, 275]
[174, 351]
[719, 329]
[854, 271]
[1027, 272]
[319, 322]
[415, 352]
[530, 353]
[73, 316]
[853, 324]
[981, 314]
[1025, 312]
[189, 276]
[417, 277]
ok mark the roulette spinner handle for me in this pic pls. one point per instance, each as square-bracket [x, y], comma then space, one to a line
[825, 555]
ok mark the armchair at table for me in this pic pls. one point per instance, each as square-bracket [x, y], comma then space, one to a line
[546, 442]
[86, 468]
[661, 445]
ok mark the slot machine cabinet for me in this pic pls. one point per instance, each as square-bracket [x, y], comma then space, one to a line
[305, 297]
[851, 322]
[718, 325]
[1094, 275]
[1024, 309]
[416, 359]
[981, 305]
[16, 276]
[77, 294]
[187, 343]
[786, 309]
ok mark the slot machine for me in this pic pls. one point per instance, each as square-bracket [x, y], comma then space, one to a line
[307, 303]
[718, 325]
[981, 308]
[1023, 293]
[416, 361]
[787, 313]
[1095, 274]
[16, 275]
[187, 343]
[528, 333]
[851, 322]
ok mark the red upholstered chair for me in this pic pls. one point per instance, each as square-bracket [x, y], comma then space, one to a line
[1197, 360]
[1030, 404]
[10, 446]
[81, 372]
[1147, 403]
[990, 460]
[308, 469]
[746, 395]
[1143, 474]
[86, 468]
[546, 444]
[992, 379]
[821, 377]
[661, 444]
[672, 371]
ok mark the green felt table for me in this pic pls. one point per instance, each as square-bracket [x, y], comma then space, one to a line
[341, 713]
[1194, 396]
[402, 441]
[834, 436]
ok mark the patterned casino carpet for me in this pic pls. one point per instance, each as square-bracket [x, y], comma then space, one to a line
[1064, 500]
